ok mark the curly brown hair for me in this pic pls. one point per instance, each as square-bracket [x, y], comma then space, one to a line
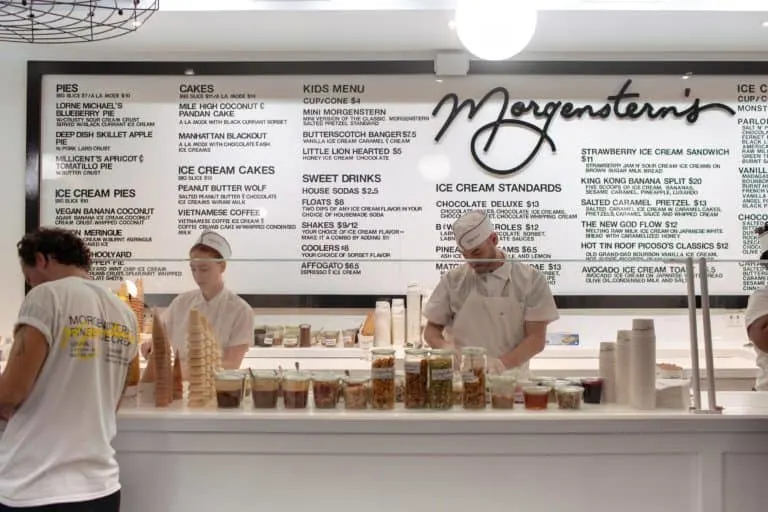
[62, 245]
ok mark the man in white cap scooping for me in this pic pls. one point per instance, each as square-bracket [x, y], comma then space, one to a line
[502, 306]
[756, 318]
[231, 318]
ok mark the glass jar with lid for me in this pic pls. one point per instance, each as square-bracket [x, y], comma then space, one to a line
[356, 391]
[383, 378]
[296, 389]
[441, 379]
[325, 390]
[416, 378]
[265, 385]
[474, 366]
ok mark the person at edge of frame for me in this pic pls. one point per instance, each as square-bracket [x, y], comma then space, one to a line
[63, 383]
[756, 318]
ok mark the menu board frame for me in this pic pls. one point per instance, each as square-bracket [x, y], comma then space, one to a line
[37, 70]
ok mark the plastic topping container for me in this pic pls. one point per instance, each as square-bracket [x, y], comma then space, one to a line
[295, 389]
[325, 390]
[230, 386]
[356, 391]
[593, 390]
[503, 391]
[569, 397]
[536, 397]
[265, 387]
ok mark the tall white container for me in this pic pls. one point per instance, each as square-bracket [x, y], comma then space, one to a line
[413, 315]
[608, 370]
[622, 356]
[642, 365]
[382, 324]
[398, 322]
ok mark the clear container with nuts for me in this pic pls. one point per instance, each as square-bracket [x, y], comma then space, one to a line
[383, 378]
[441, 379]
[416, 379]
[569, 397]
[474, 366]
[325, 390]
[356, 391]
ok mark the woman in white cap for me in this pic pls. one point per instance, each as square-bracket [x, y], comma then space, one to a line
[230, 316]
[756, 318]
[503, 306]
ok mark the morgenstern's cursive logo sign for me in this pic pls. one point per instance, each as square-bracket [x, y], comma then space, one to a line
[617, 105]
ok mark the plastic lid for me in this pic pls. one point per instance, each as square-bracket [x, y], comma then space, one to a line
[230, 375]
[415, 352]
[441, 352]
[571, 389]
[325, 376]
[536, 390]
[357, 381]
[296, 375]
[263, 374]
[473, 351]
[503, 379]
[642, 324]
[382, 351]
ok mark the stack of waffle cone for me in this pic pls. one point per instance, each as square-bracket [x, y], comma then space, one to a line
[178, 380]
[137, 306]
[213, 355]
[199, 394]
[161, 352]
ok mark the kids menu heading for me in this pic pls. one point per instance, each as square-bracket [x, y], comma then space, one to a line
[349, 185]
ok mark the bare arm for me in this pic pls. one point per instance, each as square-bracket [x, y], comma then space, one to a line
[433, 335]
[28, 354]
[534, 342]
[232, 357]
[758, 333]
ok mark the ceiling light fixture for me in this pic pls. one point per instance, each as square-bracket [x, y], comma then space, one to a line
[495, 29]
[71, 21]
[687, 75]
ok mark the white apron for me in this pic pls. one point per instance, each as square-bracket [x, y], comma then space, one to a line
[495, 323]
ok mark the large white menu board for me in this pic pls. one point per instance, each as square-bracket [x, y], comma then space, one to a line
[349, 184]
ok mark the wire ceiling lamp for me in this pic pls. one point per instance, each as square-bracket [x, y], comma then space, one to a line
[61, 21]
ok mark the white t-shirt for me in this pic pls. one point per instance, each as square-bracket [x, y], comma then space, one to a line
[757, 307]
[231, 319]
[526, 284]
[57, 447]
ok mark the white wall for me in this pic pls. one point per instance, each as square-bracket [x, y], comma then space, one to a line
[673, 324]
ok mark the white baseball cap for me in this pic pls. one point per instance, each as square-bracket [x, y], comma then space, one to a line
[216, 242]
[472, 229]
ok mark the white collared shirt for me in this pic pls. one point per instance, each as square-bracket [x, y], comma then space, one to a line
[525, 283]
[231, 319]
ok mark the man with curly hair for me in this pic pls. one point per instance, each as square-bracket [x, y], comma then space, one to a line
[65, 376]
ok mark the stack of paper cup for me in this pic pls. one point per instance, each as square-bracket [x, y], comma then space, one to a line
[642, 365]
[608, 370]
[623, 339]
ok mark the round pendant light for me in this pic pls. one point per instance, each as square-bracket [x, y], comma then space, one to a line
[495, 29]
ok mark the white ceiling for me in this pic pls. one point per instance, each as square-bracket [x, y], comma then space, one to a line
[409, 26]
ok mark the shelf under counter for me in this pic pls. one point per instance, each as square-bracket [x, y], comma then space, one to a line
[634, 461]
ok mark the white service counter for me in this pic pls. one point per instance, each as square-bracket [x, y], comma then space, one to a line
[599, 459]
